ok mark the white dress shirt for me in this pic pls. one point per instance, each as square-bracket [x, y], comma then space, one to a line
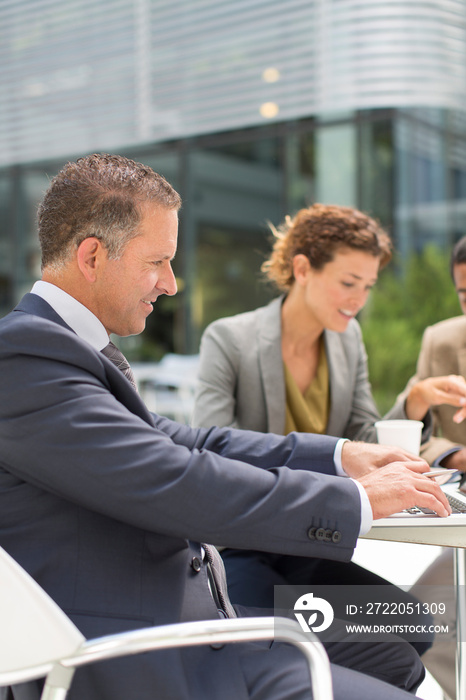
[76, 315]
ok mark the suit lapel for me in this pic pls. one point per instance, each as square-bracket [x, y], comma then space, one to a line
[271, 365]
[120, 387]
[34, 304]
[338, 372]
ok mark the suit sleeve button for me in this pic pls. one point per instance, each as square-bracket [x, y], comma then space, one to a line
[328, 535]
[196, 564]
[320, 533]
[311, 533]
[336, 537]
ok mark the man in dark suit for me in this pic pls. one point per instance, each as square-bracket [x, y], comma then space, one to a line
[106, 504]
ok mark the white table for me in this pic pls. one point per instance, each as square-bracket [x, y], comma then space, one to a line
[447, 532]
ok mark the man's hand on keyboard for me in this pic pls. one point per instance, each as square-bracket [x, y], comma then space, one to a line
[360, 458]
[397, 486]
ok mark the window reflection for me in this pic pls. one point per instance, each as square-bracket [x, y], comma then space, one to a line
[236, 190]
[405, 167]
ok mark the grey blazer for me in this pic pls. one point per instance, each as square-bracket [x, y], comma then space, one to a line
[105, 505]
[241, 379]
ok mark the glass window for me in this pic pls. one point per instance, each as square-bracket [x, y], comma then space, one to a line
[6, 242]
[336, 161]
[422, 210]
[228, 202]
[29, 187]
[376, 169]
[300, 153]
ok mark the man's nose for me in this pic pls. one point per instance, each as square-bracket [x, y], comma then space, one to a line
[167, 282]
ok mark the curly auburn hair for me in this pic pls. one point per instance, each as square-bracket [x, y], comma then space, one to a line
[318, 232]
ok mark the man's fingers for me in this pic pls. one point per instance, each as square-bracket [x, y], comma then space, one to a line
[395, 487]
[409, 459]
[417, 464]
[460, 415]
[452, 398]
[450, 390]
[431, 496]
[428, 494]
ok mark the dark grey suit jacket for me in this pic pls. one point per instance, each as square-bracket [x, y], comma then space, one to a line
[105, 504]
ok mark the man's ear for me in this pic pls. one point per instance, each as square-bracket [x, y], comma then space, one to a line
[90, 252]
[301, 268]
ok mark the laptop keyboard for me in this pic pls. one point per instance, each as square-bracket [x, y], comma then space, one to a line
[457, 506]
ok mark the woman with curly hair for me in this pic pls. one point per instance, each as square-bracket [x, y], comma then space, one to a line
[299, 364]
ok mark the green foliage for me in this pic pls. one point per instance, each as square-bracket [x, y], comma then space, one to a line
[408, 298]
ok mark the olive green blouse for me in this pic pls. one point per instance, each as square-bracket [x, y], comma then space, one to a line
[308, 413]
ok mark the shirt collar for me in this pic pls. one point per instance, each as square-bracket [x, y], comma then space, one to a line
[84, 323]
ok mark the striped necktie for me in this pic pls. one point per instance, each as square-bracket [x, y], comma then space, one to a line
[119, 360]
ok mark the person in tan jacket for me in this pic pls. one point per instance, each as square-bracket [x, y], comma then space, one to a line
[443, 351]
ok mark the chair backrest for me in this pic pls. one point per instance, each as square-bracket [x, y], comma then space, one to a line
[37, 638]
[173, 370]
[35, 632]
[168, 387]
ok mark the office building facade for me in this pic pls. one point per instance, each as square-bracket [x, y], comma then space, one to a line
[252, 109]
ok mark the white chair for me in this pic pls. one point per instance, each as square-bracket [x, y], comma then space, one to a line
[168, 387]
[37, 639]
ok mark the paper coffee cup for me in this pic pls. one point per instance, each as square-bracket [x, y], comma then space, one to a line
[402, 433]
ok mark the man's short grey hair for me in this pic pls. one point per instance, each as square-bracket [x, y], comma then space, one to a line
[98, 196]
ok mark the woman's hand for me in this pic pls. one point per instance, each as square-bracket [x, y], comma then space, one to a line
[434, 391]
